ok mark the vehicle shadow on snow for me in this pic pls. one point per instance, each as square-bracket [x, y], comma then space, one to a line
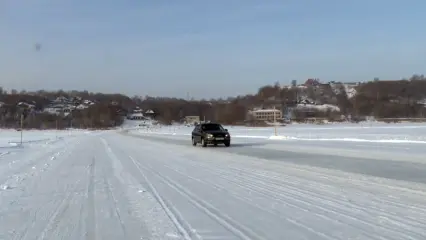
[236, 145]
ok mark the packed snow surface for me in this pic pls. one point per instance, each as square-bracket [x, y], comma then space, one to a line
[372, 132]
[309, 182]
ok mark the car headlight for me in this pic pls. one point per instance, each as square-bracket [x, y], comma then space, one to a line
[209, 135]
[226, 135]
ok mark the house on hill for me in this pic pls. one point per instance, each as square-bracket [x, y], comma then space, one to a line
[58, 109]
[150, 113]
[312, 82]
[81, 106]
[26, 105]
[191, 119]
[137, 110]
[136, 116]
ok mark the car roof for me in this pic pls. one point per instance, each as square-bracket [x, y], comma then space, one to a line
[210, 123]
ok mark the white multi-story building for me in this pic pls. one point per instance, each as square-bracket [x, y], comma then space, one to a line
[266, 114]
[58, 109]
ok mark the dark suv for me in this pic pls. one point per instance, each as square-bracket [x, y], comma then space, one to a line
[210, 133]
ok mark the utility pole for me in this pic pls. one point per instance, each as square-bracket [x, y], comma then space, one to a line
[22, 129]
[275, 123]
[69, 132]
[56, 128]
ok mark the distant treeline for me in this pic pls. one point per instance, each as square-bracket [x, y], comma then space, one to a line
[377, 98]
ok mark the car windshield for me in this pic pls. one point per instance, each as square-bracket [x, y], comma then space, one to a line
[212, 127]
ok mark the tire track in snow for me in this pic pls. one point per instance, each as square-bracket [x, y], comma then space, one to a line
[295, 194]
[391, 169]
[340, 176]
[282, 178]
[302, 190]
[223, 219]
[130, 184]
[56, 216]
[343, 175]
[114, 207]
[333, 201]
[173, 216]
[91, 226]
[292, 222]
[4, 153]
[59, 207]
[250, 202]
[412, 227]
[34, 159]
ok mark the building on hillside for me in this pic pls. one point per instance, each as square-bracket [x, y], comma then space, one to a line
[88, 102]
[76, 99]
[26, 105]
[54, 109]
[266, 114]
[82, 106]
[150, 113]
[61, 99]
[58, 109]
[306, 101]
[136, 116]
[312, 82]
[192, 119]
[137, 110]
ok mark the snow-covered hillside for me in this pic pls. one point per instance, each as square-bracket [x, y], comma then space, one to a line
[322, 107]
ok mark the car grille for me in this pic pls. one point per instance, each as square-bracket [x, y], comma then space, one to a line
[219, 135]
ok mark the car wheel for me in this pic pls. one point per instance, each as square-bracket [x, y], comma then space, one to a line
[203, 143]
[194, 143]
[227, 144]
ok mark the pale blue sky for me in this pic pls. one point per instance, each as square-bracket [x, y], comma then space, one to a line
[207, 48]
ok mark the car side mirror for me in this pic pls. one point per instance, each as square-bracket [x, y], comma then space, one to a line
[226, 129]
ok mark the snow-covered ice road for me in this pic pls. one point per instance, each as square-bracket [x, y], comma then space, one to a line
[119, 186]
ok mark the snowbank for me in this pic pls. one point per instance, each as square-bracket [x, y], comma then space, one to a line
[10, 138]
[322, 107]
[372, 132]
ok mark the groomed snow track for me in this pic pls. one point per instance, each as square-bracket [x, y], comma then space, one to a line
[118, 186]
